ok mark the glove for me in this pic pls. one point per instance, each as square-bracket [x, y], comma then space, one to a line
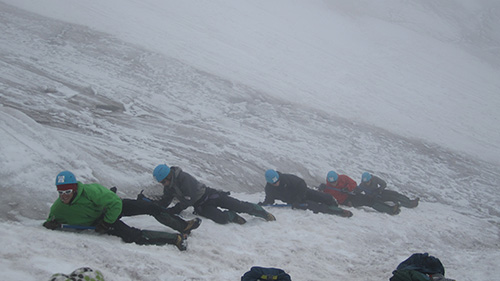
[102, 227]
[141, 196]
[345, 190]
[175, 210]
[51, 224]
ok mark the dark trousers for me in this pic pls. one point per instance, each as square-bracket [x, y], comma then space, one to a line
[132, 207]
[127, 233]
[360, 200]
[396, 197]
[319, 202]
[320, 197]
[141, 237]
[215, 199]
[364, 200]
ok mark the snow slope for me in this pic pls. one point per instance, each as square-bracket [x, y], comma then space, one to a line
[407, 90]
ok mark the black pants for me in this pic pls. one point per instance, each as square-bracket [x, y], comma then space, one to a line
[364, 200]
[396, 197]
[140, 236]
[320, 197]
[215, 199]
[319, 202]
[127, 233]
[360, 200]
[132, 207]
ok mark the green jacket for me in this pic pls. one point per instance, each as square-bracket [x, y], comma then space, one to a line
[92, 202]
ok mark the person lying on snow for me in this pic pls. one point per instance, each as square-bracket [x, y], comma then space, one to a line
[95, 205]
[205, 200]
[293, 190]
[374, 187]
[342, 187]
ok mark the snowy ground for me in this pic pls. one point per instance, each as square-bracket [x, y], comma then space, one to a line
[407, 90]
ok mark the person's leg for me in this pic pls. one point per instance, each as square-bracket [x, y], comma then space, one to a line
[141, 207]
[239, 206]
[161, 238]
[363, 200]
[146, 237]
[127, 233]
[132, 207]
[386, 208]
[324, 208]
[320, 197]
[390, 195]
[212, 212]
[359, 200]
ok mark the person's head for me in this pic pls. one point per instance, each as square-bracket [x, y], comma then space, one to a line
[272, 177]
[162, 174]
[332, 177]
[366, 177]
[67, 186]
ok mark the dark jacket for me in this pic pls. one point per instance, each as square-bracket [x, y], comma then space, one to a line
[291, 190]
[185, 188]
[372, 188]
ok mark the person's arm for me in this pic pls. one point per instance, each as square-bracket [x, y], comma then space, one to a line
[299, 189]
[350, 184]
[166, 198]
[380, 182]
[51, 222]
[269, 200]
[359, 190]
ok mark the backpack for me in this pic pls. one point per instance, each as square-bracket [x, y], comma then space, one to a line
[257, 273]
[82, 273]
[419, 267]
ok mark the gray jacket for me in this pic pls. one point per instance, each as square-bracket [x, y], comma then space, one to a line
[184, 188]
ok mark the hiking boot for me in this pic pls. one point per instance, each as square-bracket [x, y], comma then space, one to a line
[414, 203]
[191, 224]
[269, 217]
[346, 214]
[181, 243]
[238, 219]
[396, 210]
[261, 213]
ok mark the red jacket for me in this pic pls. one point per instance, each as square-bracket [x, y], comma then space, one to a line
[336, 190]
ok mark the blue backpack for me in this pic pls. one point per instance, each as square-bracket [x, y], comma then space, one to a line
[257, 273]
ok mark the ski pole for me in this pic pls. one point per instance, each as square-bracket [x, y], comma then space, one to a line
[284, 205]
[277, 205]
[74, 226]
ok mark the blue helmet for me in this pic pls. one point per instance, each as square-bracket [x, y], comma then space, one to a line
[366, 177]
[161, 172]
[272, 176]
[65, 177]
[332, 176]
